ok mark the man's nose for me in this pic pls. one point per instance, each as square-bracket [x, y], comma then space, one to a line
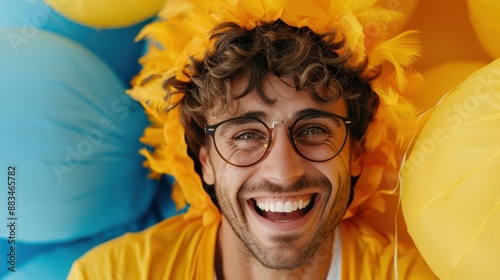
[282, 165]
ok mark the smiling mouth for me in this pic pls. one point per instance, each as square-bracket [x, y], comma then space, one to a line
[284, 209]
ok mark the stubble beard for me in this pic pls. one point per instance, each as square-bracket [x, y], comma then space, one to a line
[283, 256]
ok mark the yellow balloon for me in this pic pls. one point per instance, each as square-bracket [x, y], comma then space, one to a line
[446, 33]
[107, 13]
[451, 181]
[484, 15]
[440, 79]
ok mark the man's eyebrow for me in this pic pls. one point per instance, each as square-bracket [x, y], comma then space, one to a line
[309, 111]
[260, 115]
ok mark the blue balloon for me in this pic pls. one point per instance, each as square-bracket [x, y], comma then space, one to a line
[54, 261]
[14, 13]
[72, 135]
[115, 46]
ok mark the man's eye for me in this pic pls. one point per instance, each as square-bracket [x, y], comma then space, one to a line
[248, 136]
[313, 130]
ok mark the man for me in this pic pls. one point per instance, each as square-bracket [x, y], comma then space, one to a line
[275, 117]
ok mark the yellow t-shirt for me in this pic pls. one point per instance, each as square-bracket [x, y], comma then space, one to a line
[180, 249]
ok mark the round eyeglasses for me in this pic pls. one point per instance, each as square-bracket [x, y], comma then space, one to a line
[244, 141]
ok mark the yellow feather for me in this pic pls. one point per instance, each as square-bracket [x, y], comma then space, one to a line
[381, 16]
[354, 36]
[401, 51]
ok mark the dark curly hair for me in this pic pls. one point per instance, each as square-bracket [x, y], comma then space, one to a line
[316, 63]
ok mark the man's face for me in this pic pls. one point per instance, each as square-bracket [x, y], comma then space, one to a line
[256, 201]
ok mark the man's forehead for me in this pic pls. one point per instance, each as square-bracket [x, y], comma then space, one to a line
[285, 106]
[286, 101]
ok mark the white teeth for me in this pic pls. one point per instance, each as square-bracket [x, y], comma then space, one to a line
[288, 207]
[279, 207]
[283, 207]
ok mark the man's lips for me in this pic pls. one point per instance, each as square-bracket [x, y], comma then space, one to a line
[283, 209]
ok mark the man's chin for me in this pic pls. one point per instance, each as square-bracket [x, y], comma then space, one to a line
[284, 258]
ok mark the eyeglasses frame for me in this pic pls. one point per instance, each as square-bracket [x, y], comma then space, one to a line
[348, 123]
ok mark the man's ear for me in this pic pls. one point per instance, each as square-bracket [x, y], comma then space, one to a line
[206, 166]
[356, 158]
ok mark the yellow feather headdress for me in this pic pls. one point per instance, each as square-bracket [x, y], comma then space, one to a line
[364, 26]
